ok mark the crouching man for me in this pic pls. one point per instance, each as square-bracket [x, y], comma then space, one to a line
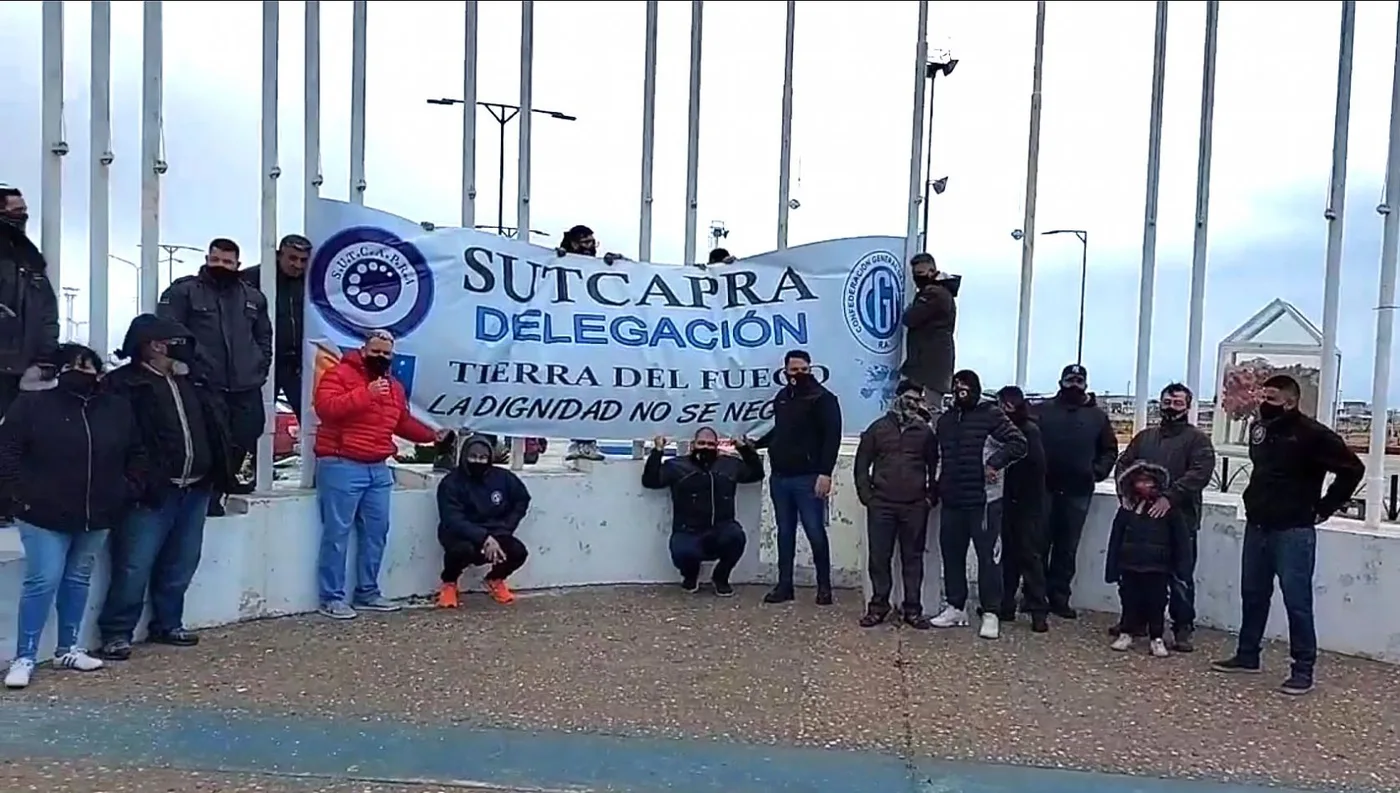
[480, 505]
[704, 487]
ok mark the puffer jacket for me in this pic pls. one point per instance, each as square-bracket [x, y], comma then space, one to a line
[963, 436]
[357, 424]
[1080, 447]
[1140, 543]
[897, 465]
[702, 498]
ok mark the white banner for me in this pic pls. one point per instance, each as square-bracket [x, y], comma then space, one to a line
[503, 337]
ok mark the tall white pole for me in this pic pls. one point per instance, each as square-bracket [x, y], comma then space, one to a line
[152, 166]
[1196, 321]
[1336, 218]
[469, 117]
[527, 87]
[692, 155]
[785, 147]
[1385, 308]
[648, 129]
[358, 53]
[916, 145]
[268, 228]
[1023, 310]
[100, 186]
[311, 157]
[1141, 386]
[51, 185]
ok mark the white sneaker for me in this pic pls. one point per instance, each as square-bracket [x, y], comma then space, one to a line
[949, 617]
[21, 670]
[78, 660]
[991, 627]
[1123, 642]
[1158, 648]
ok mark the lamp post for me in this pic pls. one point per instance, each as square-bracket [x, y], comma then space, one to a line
[944, 65]
[1083, 281]
[503, 115]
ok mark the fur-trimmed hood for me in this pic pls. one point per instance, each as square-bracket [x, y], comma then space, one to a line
[1125, 491]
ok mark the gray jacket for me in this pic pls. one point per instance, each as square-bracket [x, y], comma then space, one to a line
[230, 325]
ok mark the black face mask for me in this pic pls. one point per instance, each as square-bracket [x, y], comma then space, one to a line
[377, 365]
[76, 382]
[1269, 411]
[181, 350]
[15, 220]
[704, 457]
[799, 380]
[477, 470]
[223, 276]
[964, 397]
[922, 281]
[1172, 414]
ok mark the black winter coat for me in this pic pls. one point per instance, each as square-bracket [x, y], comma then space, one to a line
[1140, 543]
[1080, 448]
[963, 436]
[28, 305]
[231, 329]
[897, 465]
[1188, 457]
[806, 434]
[1292, 456]
[928, 343]
[1025, 479]
[291, 293]
[470, 510]
[702, 498]
[71, 462]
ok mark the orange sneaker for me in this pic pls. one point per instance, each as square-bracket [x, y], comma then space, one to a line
[447, 596]
[500, 591]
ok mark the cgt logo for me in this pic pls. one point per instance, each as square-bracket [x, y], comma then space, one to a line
[873, 301]
[365, 278]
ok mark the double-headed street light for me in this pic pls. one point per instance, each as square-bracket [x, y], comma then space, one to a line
[943, 64]
[1083, 280]
[503, 115]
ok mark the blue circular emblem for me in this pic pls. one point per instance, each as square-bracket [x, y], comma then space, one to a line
[873, 301]
[365, 278]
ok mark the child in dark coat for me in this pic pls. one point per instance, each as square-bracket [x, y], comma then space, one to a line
[1148, 544]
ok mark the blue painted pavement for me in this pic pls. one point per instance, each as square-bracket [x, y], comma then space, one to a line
[374, 749]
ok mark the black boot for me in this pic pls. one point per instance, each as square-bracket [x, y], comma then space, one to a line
[1181, 641]
[1039, 622]
[780, 594]
[873, 616]
[824, 596]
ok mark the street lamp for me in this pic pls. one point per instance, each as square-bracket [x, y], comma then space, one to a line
[503, 114]
[942, 64]
[1083, 281]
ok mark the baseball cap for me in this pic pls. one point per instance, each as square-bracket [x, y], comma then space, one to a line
[1074, 370]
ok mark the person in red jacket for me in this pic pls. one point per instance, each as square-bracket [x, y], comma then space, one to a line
[361, 407]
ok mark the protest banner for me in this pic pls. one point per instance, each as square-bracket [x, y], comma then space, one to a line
[503, 337]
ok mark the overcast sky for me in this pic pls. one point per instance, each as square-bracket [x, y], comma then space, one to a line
[853, 100]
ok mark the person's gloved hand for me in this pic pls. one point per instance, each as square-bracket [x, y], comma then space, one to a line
[609, 258]
[560, 252]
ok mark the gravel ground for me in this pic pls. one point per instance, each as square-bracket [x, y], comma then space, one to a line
[656, 661]
[49, 777]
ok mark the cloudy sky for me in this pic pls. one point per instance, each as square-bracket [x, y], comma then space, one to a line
[1275, 90]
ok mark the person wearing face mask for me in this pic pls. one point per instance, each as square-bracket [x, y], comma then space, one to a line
[233, 341]
[896, 471]
[579, 241]
[1292, 455]
[704, 489]
[1080, 449]
[480, 506]
[70, 455]
[929, 323]
[189, 455]
[1188, 456]
[28, 309]
[361, 407]
[976, 443]
[1023, 519]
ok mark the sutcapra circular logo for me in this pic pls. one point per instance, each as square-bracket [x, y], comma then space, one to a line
[873, 301]
[366, 278]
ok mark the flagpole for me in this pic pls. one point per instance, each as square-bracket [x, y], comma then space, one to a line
[358, 64]
[1147, 285]
[271, 23]
[469, 59]
[648, 129]
[1196, 321]
[692, 157]
[785, 147]
[1023, 309]
[1336, 219]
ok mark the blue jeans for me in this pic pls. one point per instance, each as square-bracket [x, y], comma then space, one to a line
[55, 563]
[352, 495]
[1288, 555]
[795, 499]
[157, 548]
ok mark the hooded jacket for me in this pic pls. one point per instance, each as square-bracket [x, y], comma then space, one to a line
[1080, 447]
[231, 329]
[28, 305]
[358, 424]
[972, 439]
[470, 509]
[1024, 481]
[1189, 457]
[929, 323]
[1140, 543]
[702, 497]
[897, 463]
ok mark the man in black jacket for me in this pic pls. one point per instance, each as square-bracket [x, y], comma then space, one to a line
[1023, 519]
[704, 487]
[233, 341]
[929, 322]
[181, 425]
[1292, 455]
[293, 253]
[802, 450]
[480, 506]
[1188, 457]
[976, 443]
[1080, 450]
[896, 469]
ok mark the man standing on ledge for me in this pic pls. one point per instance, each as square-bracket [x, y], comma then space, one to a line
[930, 321]
[293, 254]
[802, 450]
[1292, 455]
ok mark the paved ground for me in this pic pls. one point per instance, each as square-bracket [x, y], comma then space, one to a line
[409, 696]
[53, 777]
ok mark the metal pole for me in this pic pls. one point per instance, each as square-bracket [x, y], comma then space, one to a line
[1336, 218]
[648, 129]
[785, 147]
[692, 156]
[1385, 308]
[1149, 225]
[928, 162]
[311, 147]
[501, 175]
[916, 138]
[268, 229]
[1083, 291]
[1196, 322]
[526, 112]
[100, 189]
[51, 196]
[358, 56]
[469, 117]
[152, 166]
[1023, 311]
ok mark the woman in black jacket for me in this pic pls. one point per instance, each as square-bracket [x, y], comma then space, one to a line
[69, 456]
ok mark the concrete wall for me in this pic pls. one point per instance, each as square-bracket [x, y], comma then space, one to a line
[597, 525]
